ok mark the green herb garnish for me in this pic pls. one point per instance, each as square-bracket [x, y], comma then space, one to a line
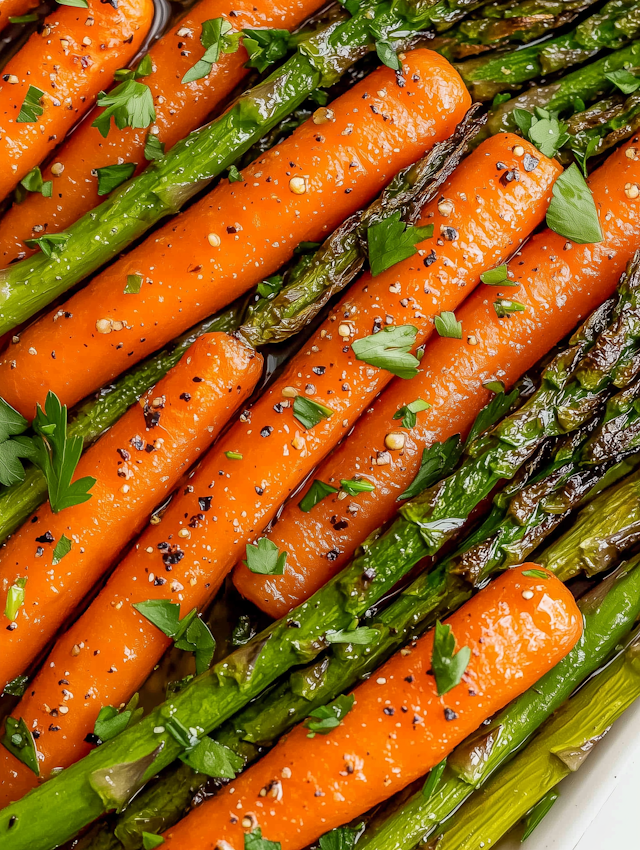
[390, 349]
[33, 182]
[316, 493]
[308, 412]
[391, 240]
[354, 486]
[408, 412]
[130, 105]
[134, 284]
[572, 212]
[112, 176]
[438, 460]
[190, 634]
[327, 717]
[448, 666]
[265, 558]
[448, 326]
[217, 37]
[62, 548]
[153, 147]
[31, 108]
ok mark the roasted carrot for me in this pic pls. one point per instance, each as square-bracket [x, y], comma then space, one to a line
[240, 485]
[14, 8]
[242, 231]
[561, 283]
[516, 629]
[179, 108]
[135, 464]
[57, 75]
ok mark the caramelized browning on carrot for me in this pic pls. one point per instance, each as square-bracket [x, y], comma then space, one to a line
[299, 191]
[61, 69]
[135, 464]
[179, 107]
[517, 629]
[561, 283]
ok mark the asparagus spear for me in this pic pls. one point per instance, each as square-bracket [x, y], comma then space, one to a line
[473, 761]
[191, 164]
[572, 388]
[611, 27]
[499, 24]
[525, 513]
[342, 255]
[607, 526]
[559, 750]
[602, 126]
[587, 84]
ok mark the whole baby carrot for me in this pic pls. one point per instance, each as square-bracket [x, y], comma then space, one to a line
[240, 485]
[135, 464]
[560, 283]
[179, 107]
[402, 723]
[239, 233]
[56, 76]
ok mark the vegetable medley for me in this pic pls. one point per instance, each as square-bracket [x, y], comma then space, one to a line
[319, 418]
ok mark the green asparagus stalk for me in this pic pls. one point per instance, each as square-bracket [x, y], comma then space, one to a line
[499, 24]
[604, 529]
[342, 255]
[98, 413]
[587, 84]
[613, 26]
[477, 758]
[572, 388]
[583, 464]
[191, 164]
[602, 126]
[559, 750]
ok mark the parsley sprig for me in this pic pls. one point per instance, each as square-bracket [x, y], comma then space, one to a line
[390, 349]
[543, 129]
[130, 105]
[448, 665]
[572, 212]
[190, 634]
[265, 558]
[327, 717]
[50, 448]
[391, 240]
[218, 36]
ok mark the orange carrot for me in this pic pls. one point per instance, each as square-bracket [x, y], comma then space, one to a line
[179, 107]
[516, 629]
[135, 464]
[561, 283]
[240, 485]
[13, 9]
[241, 232]
[60, 71]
